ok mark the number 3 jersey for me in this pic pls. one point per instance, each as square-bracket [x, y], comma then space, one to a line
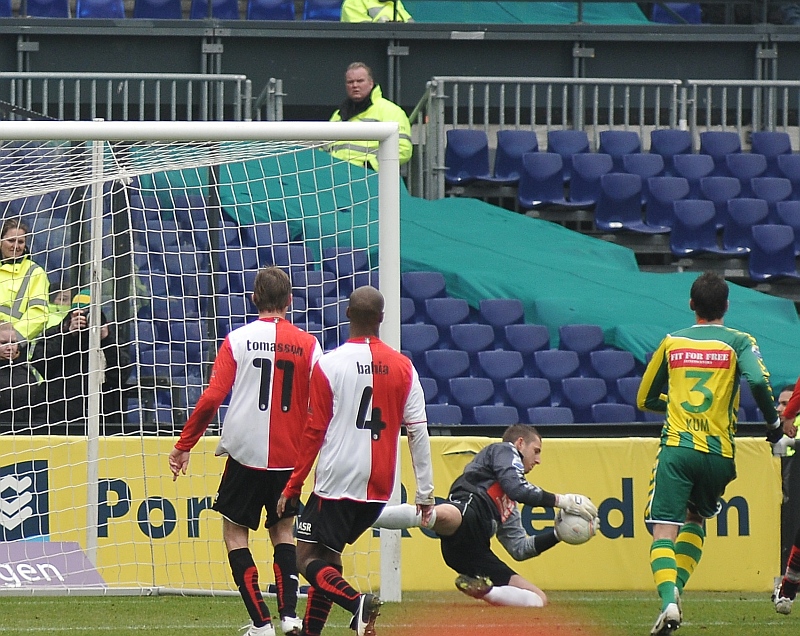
[703, 365]
[266, 366]
[361, 393]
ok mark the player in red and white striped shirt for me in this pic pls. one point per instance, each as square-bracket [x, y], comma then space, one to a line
[361, 393]
[266, 366]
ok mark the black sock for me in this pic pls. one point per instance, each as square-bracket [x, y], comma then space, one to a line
[328, 580]
[245, 575]
[285, 567]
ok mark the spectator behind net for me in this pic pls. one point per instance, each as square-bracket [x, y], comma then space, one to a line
[62, 358]
[23, 284]
[19, 385]
[375, 11]
[60, 304]
[365, 102]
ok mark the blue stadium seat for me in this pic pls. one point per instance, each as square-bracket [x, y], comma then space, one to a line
[580, 394]
[271, 241]
[186, 336]
[719, 190]
[113, 9]
[746, 166]
[270, 10]
[472, 338]
[747, 403]
[416, 339]
[157, 9]
[772, 253]
[620, 204]
[498, 366]
[719, 144]
[499, 312]
[610, 413]
[771, 190]
[444, 312]
[789, 167]
[221, 9]
[668, 142]
[525, 393]
[771, 143]
[555, 365]
[47, 8]
[544, 415]
[444, 414]
[444, 364]
[328, 10]
[627, 388]
[582, 339]
[349, 266]
[316, 287]
[406, 309]
[646, 165]
[496, 415]
[470, 392]
[789, 214]
[661, 192]
[567, 143]
[686, 12]
[5, 9]
[619, 143]
[587, 168]
[541, 181]
[743, 214]
[694, 230]
[511, 145]
[610, 365]
[527, 339]
[693, 168]
[430, 388]
[466, 157]
[420, 286]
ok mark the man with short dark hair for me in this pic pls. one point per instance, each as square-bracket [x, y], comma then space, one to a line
[365, 102]
[361, 393]
[482, 499]
[267, 366]
[701, 367]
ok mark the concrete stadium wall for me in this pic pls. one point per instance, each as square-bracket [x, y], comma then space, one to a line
[310, 57]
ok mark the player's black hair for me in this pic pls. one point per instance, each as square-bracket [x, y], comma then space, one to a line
[709, 296]
[525, 431]
[365, 310]
[271, 289]
[788, 387]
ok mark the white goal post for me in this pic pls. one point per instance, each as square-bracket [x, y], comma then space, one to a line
[113, 531]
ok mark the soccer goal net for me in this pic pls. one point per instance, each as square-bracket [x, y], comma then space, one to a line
[129, 251]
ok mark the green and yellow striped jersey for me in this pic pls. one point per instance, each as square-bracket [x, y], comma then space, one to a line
[700, 368]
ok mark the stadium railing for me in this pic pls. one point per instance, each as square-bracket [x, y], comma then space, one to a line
[130, 96]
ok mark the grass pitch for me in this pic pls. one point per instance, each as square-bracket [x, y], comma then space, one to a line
[445, 613]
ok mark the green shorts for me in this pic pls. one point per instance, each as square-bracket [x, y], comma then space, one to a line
[686, 479]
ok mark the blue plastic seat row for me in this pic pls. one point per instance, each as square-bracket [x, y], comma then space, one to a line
[329, 10]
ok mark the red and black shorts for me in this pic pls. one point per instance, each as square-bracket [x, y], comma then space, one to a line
[243, 492]
[336, 522]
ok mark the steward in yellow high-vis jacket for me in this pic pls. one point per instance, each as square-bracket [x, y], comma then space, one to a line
[365, 102]
[375, 11]
[23, 284]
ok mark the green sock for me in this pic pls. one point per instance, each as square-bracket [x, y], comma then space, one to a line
[688, 550]
[665, 572]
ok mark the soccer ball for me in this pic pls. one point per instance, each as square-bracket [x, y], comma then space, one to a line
[574, 529]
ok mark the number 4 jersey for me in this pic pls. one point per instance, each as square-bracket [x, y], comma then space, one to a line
[361, 393]
[266, 366]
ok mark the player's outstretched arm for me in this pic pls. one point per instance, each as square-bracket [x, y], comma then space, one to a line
[577, 505]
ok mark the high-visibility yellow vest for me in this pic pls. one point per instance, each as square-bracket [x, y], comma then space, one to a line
[374, 11]
[366, 152]
[23, 297]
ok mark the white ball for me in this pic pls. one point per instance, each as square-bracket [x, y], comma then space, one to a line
[574, 529]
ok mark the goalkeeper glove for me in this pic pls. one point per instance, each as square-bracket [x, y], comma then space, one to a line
[774, 431]
[577, 505]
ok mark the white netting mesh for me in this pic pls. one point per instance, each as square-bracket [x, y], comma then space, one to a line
[185, 226]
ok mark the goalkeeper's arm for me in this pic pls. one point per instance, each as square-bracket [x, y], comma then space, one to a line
[518, 543]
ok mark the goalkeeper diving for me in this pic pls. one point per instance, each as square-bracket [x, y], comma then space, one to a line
[483, 502]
